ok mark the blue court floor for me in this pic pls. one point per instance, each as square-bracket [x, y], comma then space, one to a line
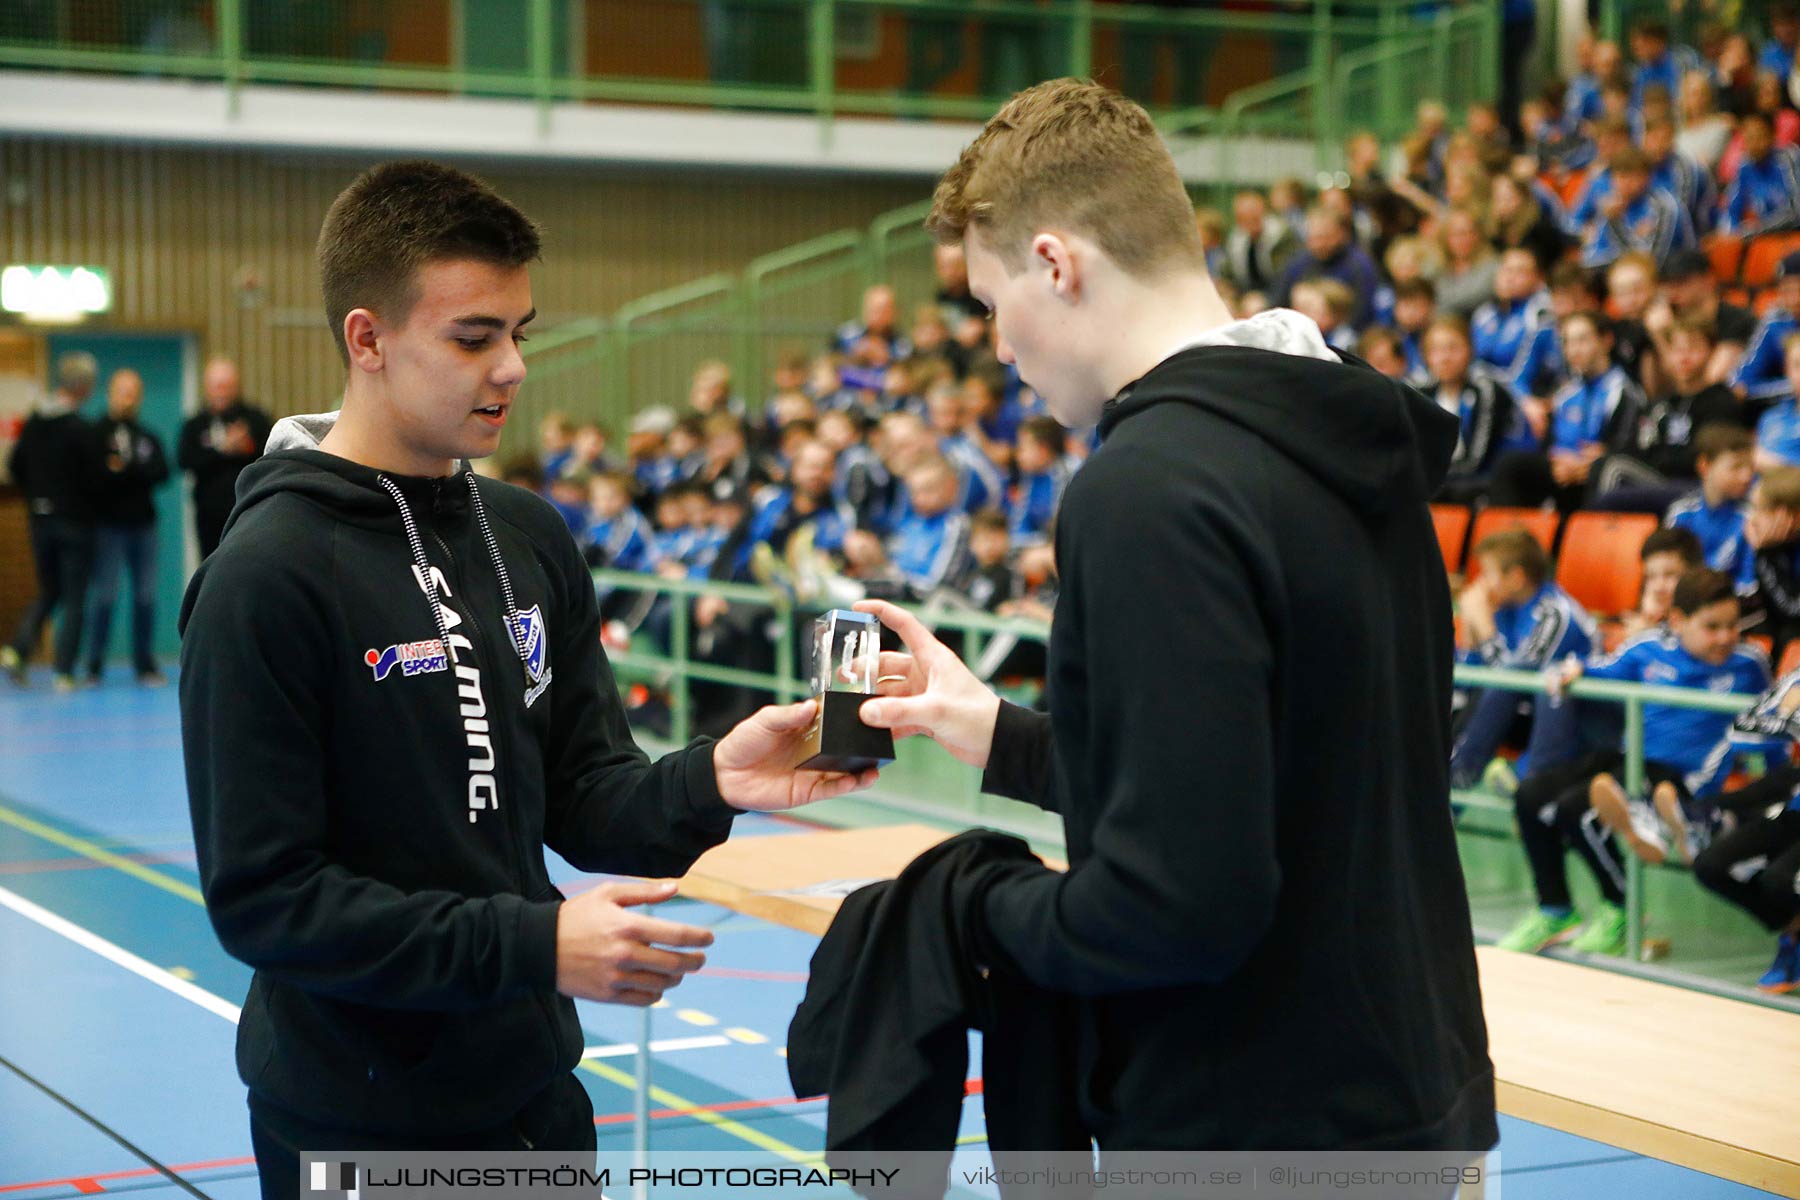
[117, 1007]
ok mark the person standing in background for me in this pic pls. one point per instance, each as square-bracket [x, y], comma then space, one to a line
[216, 445]
[131, 466]
[53, 464]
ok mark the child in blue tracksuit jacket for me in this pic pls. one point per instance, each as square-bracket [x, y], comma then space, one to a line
[1714, 512]
[1753, 858]
[1579, 804]
[1514, 616]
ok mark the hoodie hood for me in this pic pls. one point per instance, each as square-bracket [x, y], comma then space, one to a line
[352, 492]
[302, 432]
[1370, 439]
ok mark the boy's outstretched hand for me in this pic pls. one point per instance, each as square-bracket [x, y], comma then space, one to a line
[754, 763]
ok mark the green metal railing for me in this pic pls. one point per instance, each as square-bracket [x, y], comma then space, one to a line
[957, 798]
[954, 791]
[1633, 698]
[826, 57]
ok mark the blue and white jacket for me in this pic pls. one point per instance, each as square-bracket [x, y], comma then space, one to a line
[1688, 740]
[1585, 410]
[1530, 635]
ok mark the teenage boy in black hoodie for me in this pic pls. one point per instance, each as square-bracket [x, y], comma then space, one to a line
[394, 698]
[1263, 924]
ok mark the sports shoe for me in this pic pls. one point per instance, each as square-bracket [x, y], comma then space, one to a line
[13, 665]
[1783, 975]
[1500, 778]
[63, 684]
[1604, 934]
[152, 678]
[1635, 823]
[1539, 931]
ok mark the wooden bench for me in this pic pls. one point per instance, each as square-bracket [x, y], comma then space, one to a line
[1688, 1078]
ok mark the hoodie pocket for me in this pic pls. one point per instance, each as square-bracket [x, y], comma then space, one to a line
[404, 1071]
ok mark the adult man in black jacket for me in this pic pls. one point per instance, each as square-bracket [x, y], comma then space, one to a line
[216, 445]
[130, 469]
[53, 464]
[393, 697]
[1264, 919]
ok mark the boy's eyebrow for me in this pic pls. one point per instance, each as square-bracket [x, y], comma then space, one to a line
[487, 322]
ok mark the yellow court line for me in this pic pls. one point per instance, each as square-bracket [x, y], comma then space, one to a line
[737, 1129]
[105, 858]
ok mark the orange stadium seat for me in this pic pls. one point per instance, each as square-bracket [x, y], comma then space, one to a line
[1765, 254]
[1726, 253]
[1541, 523]
[1599, 563]
[1452, 523]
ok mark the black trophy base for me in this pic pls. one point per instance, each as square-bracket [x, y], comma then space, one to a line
[838, 739]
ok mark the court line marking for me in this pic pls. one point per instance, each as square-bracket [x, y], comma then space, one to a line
[621, 1049]
[75, 1181]
[686, 1107]
[233, 1013]
[119, 956]
[88, 849]
[106, 1130]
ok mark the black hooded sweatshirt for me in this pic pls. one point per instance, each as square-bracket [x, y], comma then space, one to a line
[370, 813]
[1248, 741]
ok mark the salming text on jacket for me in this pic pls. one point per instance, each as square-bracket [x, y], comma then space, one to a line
[370, 811]
[1248, 741]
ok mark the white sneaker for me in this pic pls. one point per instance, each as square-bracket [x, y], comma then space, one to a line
[1636, 823]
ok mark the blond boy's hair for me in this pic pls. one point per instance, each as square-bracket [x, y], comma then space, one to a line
[1071, 156]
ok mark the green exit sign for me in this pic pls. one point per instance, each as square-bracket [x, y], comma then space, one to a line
[54, 293]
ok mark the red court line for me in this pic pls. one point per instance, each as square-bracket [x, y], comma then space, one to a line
[90, 1184]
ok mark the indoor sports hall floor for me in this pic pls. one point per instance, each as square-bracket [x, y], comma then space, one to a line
[117, 1005]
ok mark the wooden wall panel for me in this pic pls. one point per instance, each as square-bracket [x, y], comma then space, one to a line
[220, 243]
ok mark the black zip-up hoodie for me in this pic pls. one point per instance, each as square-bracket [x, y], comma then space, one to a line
[1248, 741]
[370, 814]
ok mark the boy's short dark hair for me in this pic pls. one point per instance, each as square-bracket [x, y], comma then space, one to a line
[1378, 335]
[1674, 539]
[1509, 548]
[396, 218]
[1568, 275]
[1700, 588]
[1698, 327]
[1415, 289]
[990, 519]
[1602, 324]
[692, 424]
[1722, 437]
[1046, 432]
[1651, 27]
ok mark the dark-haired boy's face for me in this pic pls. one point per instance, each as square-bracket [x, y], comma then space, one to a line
[1710, 633]
[1662, 571]
[449, 374]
